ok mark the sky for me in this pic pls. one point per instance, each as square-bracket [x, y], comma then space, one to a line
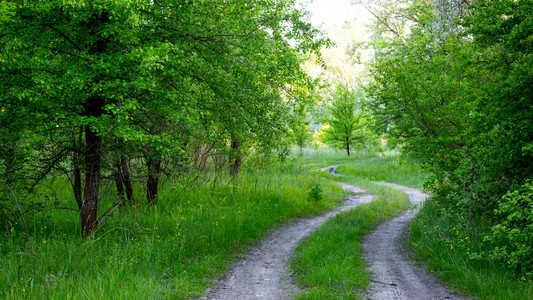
[334, 13]
[345, 24]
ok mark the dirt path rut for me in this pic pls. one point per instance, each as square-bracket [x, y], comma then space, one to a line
[263, 273]
[396, 276]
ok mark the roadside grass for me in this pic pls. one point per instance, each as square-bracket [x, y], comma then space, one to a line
[169, 251]
[435, 243]
[329, 264]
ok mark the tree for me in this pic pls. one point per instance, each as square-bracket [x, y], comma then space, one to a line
[344, 119]
[301, 130]
[84, 79]
[458, 91]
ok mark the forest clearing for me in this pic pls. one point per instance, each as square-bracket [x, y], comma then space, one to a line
[266, 149]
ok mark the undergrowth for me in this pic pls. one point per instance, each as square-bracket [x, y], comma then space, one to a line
[438, 241]
[169, 251]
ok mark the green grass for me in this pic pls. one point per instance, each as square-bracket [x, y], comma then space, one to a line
[400, 169]
[169, 251]
[329, 264]
[436, 243]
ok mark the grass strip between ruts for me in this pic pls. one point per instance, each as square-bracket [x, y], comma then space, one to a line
[329, 264]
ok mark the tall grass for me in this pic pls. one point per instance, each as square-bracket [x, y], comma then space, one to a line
[169, 251]
[434, 239]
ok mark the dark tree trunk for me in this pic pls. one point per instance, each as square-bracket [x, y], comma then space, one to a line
[94, 108]
[78, 195]
[154, 168]
[235, 158]
[126, 178]
[117, 176]
[348, 148]
[77, 183]
[89, 209]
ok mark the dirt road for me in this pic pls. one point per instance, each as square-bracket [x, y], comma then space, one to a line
[396, 276]
[263, 273]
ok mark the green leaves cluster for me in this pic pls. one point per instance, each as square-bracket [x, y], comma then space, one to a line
[458, 92]
[83, 82]
[512, 239]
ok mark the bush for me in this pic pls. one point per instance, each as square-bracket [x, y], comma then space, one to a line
[513, 237]
[315, 192]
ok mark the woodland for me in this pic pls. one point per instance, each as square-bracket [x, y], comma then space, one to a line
[144, 144]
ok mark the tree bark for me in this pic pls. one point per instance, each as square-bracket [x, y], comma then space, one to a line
[348, 148]
[126, 178]
[78, 195]
[154, 168]
[235, 158]
[89, 209]
[117, 176]
[94, 109]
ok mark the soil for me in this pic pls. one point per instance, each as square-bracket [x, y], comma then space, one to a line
[331, 170]
[263, 273]
[395, 275]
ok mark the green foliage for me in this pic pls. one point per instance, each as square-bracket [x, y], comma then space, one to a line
[513, 237]
[301, 131]
[93, 80]
[347, 123]
[457, 92]
[451, 248]
[315, 192]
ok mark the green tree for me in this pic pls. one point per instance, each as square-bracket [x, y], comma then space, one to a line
[458, 91]
[141, 77]
[344, 118]
[301, 130]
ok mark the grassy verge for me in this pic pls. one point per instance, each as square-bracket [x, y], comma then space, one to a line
[329, 264]
[169, 251]
[435, 242]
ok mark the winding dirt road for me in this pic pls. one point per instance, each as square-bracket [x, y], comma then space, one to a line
[396, 276]
[263, 273]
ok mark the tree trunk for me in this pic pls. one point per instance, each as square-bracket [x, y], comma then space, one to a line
[126, 178]
[348, 148]
[89, 209]
[154, 168]
[235, 158]
[117, 176]
[78, 195]
[94, 109]
[77, 183]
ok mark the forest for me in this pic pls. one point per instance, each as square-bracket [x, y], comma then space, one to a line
[147, 145]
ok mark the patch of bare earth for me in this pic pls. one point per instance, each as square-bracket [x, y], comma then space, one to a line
[263, 273]
[395, 275]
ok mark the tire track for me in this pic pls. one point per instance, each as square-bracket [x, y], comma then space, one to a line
[396, 276]
[263, 273]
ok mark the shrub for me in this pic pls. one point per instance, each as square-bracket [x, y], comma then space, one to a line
[513, 237]
[315, 192]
